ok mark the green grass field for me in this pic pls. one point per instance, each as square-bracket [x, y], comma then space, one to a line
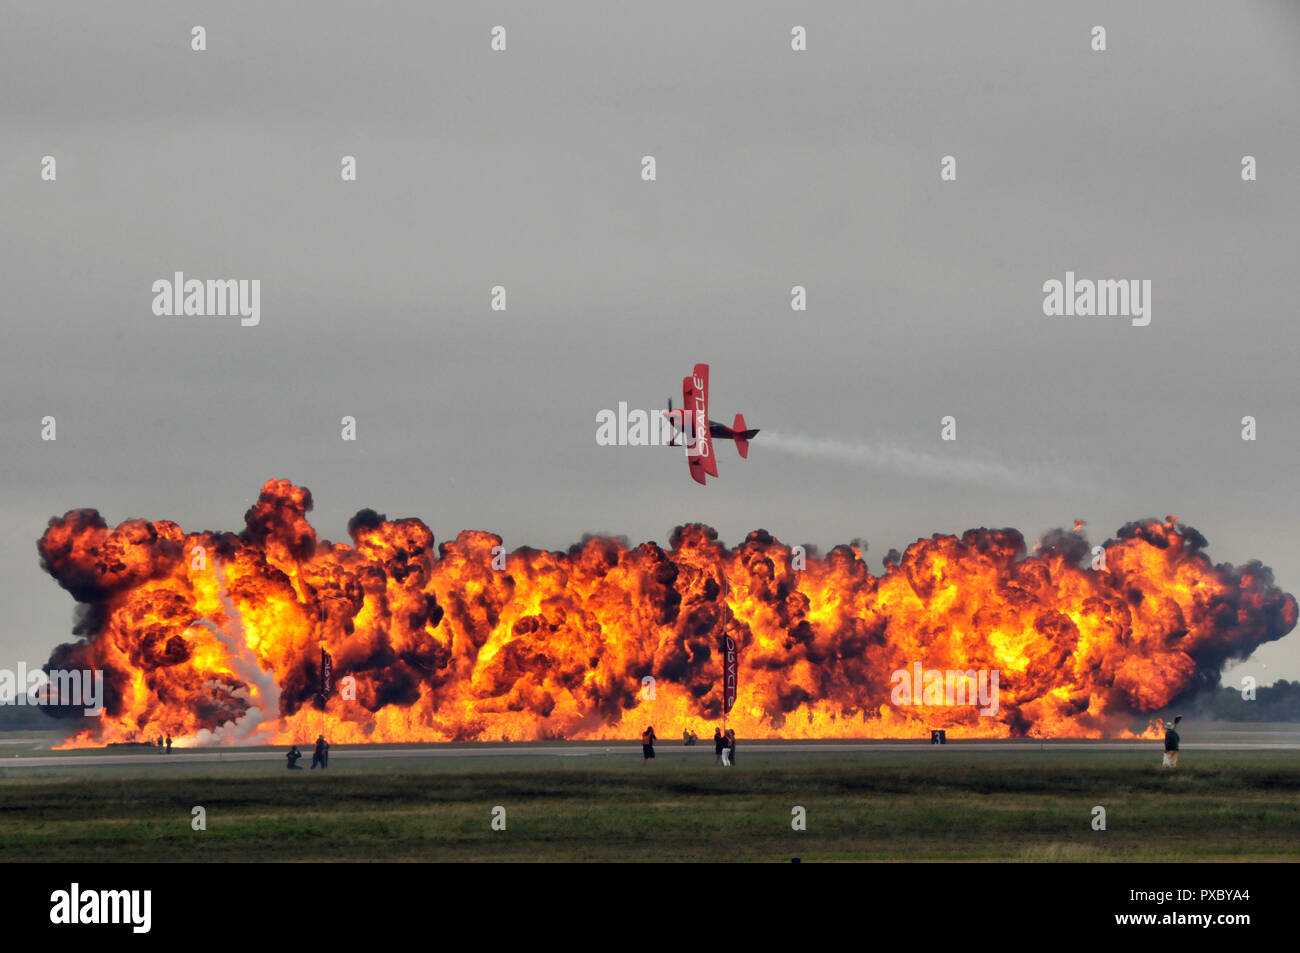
[922, 804]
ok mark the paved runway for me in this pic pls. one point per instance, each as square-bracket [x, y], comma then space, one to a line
[195, 756]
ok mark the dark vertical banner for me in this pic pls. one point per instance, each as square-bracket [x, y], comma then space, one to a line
[729, 673]
[326, 673]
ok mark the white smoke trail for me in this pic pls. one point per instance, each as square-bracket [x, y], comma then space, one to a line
[892, 458]
[265, 693]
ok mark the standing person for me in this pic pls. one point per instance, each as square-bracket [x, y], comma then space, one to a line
[647, 744]
[1171, 743]
[169, 743]
[719, 742]
[731, 746]
[322, 754]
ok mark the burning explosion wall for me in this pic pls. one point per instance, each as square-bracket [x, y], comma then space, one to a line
[217, 636]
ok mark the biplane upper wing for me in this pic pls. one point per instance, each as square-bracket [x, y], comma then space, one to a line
[690, 430]
[703, 438]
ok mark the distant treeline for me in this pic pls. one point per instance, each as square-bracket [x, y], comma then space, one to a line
[1277, 702]
[26, 718]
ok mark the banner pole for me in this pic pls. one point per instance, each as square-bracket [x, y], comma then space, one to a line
[724, 654]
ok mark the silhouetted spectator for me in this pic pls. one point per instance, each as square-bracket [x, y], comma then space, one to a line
[719, 743]
[647, 744]
[169, 744]
[322, 755]
[1171, 743]
[292, 757]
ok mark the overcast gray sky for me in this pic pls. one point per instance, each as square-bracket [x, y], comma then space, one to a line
[775, 168]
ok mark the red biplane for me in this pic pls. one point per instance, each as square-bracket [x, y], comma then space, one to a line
[697, 438]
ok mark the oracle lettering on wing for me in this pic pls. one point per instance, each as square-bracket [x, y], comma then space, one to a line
[702, 438]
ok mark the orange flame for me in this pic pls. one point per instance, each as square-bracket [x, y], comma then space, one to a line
[216, 637]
